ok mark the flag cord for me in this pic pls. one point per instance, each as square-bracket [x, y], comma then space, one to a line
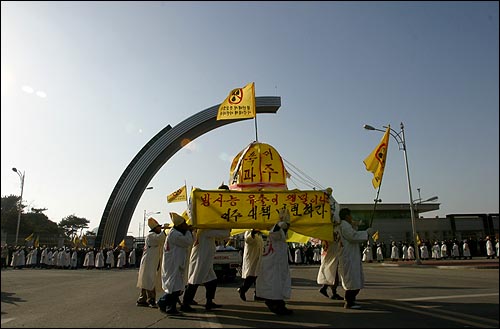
[255, 120]
[375, 205]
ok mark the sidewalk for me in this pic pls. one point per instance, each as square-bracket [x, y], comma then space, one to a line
[477, 262]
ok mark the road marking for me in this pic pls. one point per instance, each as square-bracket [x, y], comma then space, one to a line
[474, 321]
[444, 297]
[211, 320]
[5, 320]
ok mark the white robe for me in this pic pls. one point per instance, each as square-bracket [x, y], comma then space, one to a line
[274, 280]
[99, 259]
[131, 258]
[175, 254]
[150, 270]
[122, 259]
[466, 250]
[329, 259]
[367, 254]
[201, 262]
[350, 266]
[110, 258]
[252, 254]
[89, 259]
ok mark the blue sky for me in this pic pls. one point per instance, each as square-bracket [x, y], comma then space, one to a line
[85, 85]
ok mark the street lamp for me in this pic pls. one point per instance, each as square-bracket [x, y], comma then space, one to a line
[400, 139]
[419, 201]
[144, 224]
[21, 176]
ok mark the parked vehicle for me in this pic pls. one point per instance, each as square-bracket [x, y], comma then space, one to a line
[227, 264]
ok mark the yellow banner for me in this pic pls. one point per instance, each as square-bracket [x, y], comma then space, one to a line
[375, 162]
[84, 240]
[258, 166]
[310, 213]
[240, 104]
[291, 237]
[177, 196]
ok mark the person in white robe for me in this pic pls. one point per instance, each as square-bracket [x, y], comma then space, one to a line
[394, 252]
[274, 282]
[201, 268]
[298, 256]
[380, 253]
[405, 251]
[175, 256]
[444, 250]
[436, 251]
[367, 254]
[110, 258]
[455, 252]
[131, 258]
[122, 259]
[328, 275]
[99, 259]
[252, 257]
[490, 250]
[350, 266]
[150, 270]
[89, 260]
[466, 250]
[424, 251]
[74, 259]
[411, 252]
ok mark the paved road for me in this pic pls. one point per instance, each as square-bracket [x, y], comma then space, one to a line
[394, 297]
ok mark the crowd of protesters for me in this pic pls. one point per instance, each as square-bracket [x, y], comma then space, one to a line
[69, 258]
[306, 254]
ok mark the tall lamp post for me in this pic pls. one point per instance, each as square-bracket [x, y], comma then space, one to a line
[21, 176]
[400, 139]
[145, 215]
[144, 223]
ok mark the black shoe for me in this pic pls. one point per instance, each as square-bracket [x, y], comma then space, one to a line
[142, 304]
[153, 305]
[193, 302]
[210, 306]
[187, 308]
[323, 292]
[336, 296]
[242, 295]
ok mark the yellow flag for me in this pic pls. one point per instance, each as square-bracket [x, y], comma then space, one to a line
[418, 240]
[30, 237]
[375, 236]
[76, 241]
[122, 244]
[375, 162]
[179, 195]
[240, 104]
[37, 242]
[84, 240]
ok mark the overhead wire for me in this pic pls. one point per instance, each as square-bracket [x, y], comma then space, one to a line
[301, 176]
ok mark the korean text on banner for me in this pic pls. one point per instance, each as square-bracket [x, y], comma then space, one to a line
[310, 213]
[240, 104]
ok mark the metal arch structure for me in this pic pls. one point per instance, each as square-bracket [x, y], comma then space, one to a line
[128, 190]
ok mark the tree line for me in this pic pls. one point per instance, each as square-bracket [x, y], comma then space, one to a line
[34, 221]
